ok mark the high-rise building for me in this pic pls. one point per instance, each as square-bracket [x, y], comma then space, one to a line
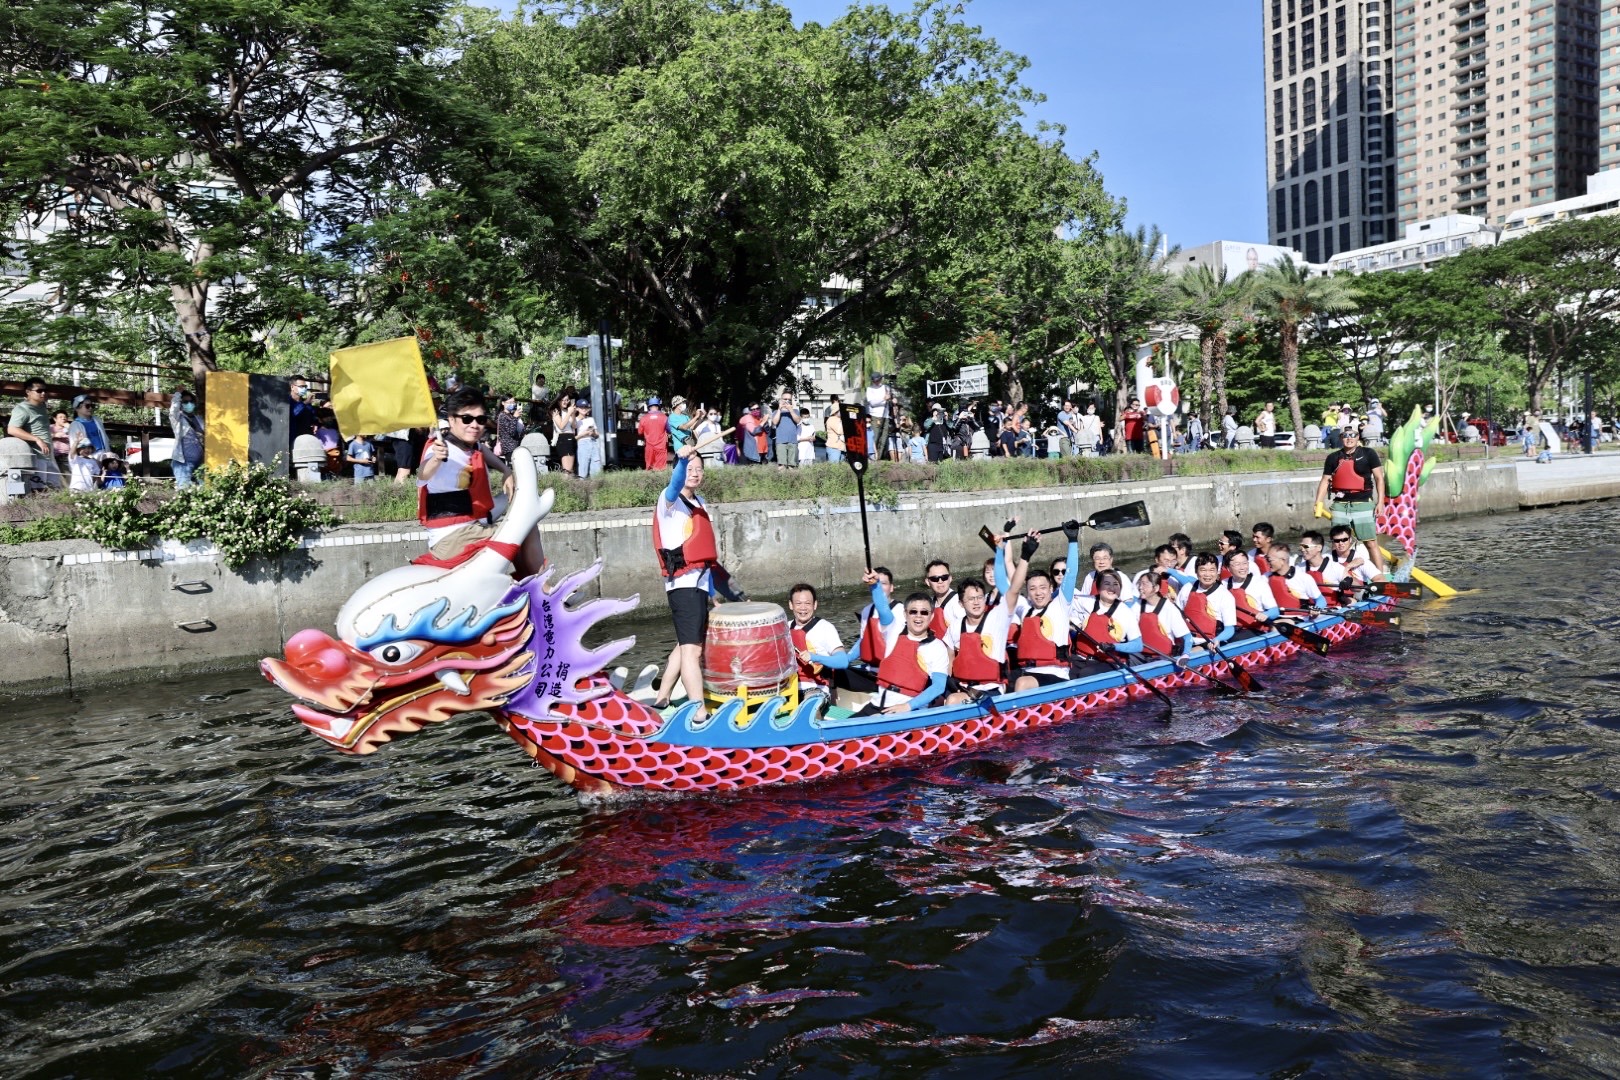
[1497, 103]
[1330, 124]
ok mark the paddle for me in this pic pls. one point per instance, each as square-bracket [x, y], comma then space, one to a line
[1225, 688]
[1404, 590]
[1305, 639]
[856, 453]
[1114, 662]
[1362, 616]
[1249, 683]
[1129, 516]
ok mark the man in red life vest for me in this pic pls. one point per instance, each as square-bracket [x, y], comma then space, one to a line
[653, 427]
[978, 640]
[1207, 603]
[684, 542]
[872, 645]
[1355, 477]
[1229, 541]
[453, 498]
[1043, 633]
[915, 664]
[1292, 586]
[1167, 562]
[947, 606]
[1109, 619]
[1250, 593]
[1352, 556]
[1328, 574]
[1262, 535]
[1163, 627]
[811, 634]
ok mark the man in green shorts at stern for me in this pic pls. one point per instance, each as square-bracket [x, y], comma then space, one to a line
[1355, 476]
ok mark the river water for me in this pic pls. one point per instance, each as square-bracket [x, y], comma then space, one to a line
[1399, 860]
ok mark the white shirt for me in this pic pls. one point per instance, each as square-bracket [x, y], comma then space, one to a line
[933, 657]
[1301, 585]
[877, 402]
[1055, 627]
[86, 473]
[1171, 621]
[1332, 572]
[1363, 573]
[823, 640]
[674, 526]
[452, 474]
[1256, 588]
[1124, 624]
[1220, 602]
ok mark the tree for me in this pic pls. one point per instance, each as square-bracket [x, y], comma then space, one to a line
[1289, 295]
[726, 165]
[1120, 290]
[1214, 305]
[196, 156]
[1554, 295]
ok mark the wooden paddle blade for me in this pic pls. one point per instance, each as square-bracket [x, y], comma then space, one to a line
[1130, 516]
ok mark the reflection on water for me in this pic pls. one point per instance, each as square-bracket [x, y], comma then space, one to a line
[1401, 859]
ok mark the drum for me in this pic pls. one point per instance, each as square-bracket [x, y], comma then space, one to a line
[748, 645]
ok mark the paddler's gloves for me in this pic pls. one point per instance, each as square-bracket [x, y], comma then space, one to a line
[1071, 529]
[1031, 546]
[1322, 511]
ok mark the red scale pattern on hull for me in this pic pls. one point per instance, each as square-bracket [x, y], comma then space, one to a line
[595, 757]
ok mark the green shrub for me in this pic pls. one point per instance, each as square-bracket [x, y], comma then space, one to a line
[246, 510]
[114, 519]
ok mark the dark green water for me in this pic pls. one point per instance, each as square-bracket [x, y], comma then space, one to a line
[1402, 860]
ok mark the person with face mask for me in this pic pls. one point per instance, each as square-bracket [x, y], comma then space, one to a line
[188, 437]
[508, 428]
[303, 420]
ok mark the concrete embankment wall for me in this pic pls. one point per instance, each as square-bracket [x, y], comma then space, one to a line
[72, 614]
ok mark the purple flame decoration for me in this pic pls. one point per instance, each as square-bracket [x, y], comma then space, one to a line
[560, 657]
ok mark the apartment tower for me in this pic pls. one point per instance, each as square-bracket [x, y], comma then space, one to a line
[1330, 124]
[1497, 103]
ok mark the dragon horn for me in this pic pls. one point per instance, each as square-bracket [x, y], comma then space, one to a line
[528, 507]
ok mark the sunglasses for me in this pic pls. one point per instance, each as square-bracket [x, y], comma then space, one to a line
[920, 613]
[939, 577]
[473, 418]
[1341, 539]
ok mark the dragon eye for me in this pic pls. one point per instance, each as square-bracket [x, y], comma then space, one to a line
[396, 652]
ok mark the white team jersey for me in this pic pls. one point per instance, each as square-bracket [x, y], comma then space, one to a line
[1123, 621]
[993, 634]
[1332, 572]
[1055, 627]
[1220, 602]
[932, 656]
[1366, 571]
[674, 526]
[1171, 621]
[1301, 585]
[1255, 588]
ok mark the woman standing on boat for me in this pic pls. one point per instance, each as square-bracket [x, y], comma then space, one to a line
[683, 540]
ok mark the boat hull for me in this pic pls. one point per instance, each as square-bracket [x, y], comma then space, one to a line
[721, 755]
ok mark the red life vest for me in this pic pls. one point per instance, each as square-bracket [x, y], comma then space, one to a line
[1318, 573]
[1240, 596]
[697, 552]
[1099, 627]
[1199, 616]
[973, 664]
[900, 670]
[936, 625]
[1035, 649]
[1279, 589]
[872, 639]
[801, 642]
[1153, 635]
[1347, 483]
[470, 502]
[1167, 588]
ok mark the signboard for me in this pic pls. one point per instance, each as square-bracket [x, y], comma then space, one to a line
[974, 379]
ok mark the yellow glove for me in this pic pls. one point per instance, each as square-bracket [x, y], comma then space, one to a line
[1322, 511]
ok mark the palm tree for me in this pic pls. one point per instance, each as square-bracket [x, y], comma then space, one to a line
[1212, 303]
[1120, 290]
[1288, 294]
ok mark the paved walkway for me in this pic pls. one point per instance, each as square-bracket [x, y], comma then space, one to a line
[1568, 478]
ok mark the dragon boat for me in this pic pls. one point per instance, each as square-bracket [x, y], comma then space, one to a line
[420, 644]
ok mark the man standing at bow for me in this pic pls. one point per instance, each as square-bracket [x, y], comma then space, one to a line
[1355, 477]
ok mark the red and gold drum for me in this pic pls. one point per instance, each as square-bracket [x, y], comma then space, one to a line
[748, 653]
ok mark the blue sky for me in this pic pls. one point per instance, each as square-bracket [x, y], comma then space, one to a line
[1167, 92]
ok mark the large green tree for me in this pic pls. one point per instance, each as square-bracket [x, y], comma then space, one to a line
[727, 165]
[189, 163]
[1291, 297]
[1554, 295]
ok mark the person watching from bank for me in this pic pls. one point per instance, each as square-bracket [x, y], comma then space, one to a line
[85, 469]
[87, 425]
[188, 437]
[361, 455]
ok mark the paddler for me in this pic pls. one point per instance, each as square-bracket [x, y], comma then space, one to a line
[1167, 563]
[683, 539]
[1229, 541]
[1292, 586]
[871, 647]
[915, 664]
[1353, 557]
[1102, 558]
[947, 606]
[1327, 574]
[811, 634]
[1355, 477]
[1109, 619]
[1164, 629]
[1262, 534]
[978, 640]
[1250, 593]
[1207, 603]
[1043, 633]
[453, 498]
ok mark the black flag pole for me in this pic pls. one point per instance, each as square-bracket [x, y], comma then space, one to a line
[857, 454]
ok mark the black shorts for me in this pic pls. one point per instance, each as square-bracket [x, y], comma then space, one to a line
[953, 685]
[1043, 678]
[690, 609]
[856, 682]
[404, 454]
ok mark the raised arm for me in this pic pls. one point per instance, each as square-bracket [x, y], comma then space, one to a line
[677, 477]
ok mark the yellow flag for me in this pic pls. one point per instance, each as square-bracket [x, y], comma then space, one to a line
[381, 387]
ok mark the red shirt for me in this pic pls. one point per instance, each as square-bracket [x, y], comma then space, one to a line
[1131, 419]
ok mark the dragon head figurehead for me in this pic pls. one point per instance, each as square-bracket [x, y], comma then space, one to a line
[419, 644]
[1405, 471]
